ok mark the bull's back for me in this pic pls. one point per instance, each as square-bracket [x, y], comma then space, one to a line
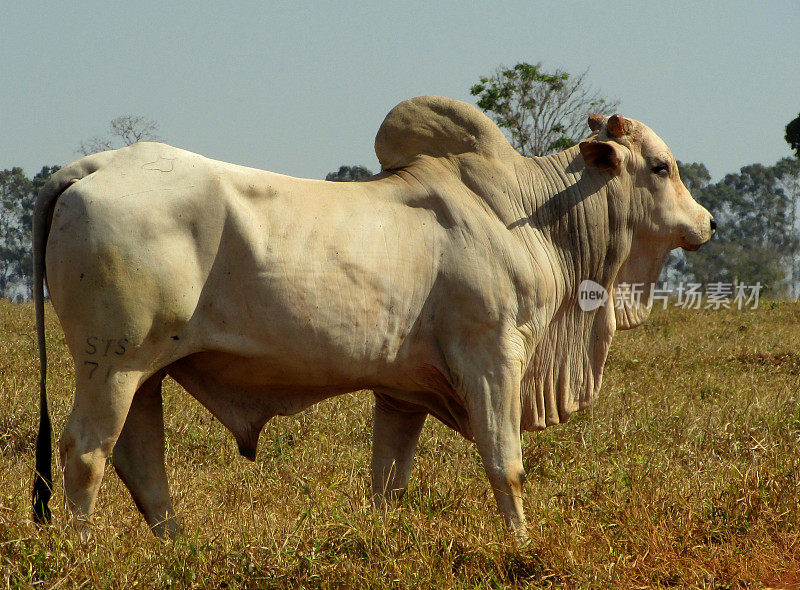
[174, 254]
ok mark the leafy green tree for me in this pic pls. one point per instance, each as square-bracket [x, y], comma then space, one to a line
[543, 112]
[793, 135]
[122, 131]
[349, 174]
[695, 176]
[787, 172]
[764, 208]
[17, 198]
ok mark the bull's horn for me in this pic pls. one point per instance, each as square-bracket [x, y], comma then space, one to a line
[596, 121]
[617, 126]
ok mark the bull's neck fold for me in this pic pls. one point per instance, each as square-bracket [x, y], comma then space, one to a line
[576, 223]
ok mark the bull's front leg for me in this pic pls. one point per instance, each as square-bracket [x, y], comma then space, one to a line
[395, 433]
[494, 409]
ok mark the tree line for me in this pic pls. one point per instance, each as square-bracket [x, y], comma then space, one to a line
[757, 208]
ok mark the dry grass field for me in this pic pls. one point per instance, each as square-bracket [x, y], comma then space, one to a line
[685, 474]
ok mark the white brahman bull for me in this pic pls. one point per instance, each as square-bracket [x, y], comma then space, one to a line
[447, 284]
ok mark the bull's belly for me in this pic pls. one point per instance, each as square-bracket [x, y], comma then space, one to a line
[280, 383]
[270, 376]
[245, 392]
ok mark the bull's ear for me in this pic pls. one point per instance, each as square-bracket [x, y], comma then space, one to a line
[603, 155]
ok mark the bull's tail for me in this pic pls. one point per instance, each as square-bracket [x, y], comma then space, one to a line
[58, 183]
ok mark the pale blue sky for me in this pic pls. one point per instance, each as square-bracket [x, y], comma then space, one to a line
[300, 89]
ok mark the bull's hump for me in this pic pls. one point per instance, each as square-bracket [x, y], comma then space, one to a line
[436, 126]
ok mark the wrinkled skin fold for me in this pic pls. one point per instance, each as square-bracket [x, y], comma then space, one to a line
[447, 284]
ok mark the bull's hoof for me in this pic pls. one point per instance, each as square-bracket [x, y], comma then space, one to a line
[521, 538]
[169, 529]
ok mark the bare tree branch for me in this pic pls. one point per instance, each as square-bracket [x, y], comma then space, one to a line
[122, 131]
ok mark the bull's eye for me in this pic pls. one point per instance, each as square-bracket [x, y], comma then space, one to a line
[660, 169]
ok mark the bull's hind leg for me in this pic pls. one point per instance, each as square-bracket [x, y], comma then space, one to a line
[138, 458]
[395, 433]
[98, 415]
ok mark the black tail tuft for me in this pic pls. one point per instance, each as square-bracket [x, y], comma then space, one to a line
[41, 497]
[43, 482]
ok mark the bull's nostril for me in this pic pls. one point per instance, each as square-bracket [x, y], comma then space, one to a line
[713, 225]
